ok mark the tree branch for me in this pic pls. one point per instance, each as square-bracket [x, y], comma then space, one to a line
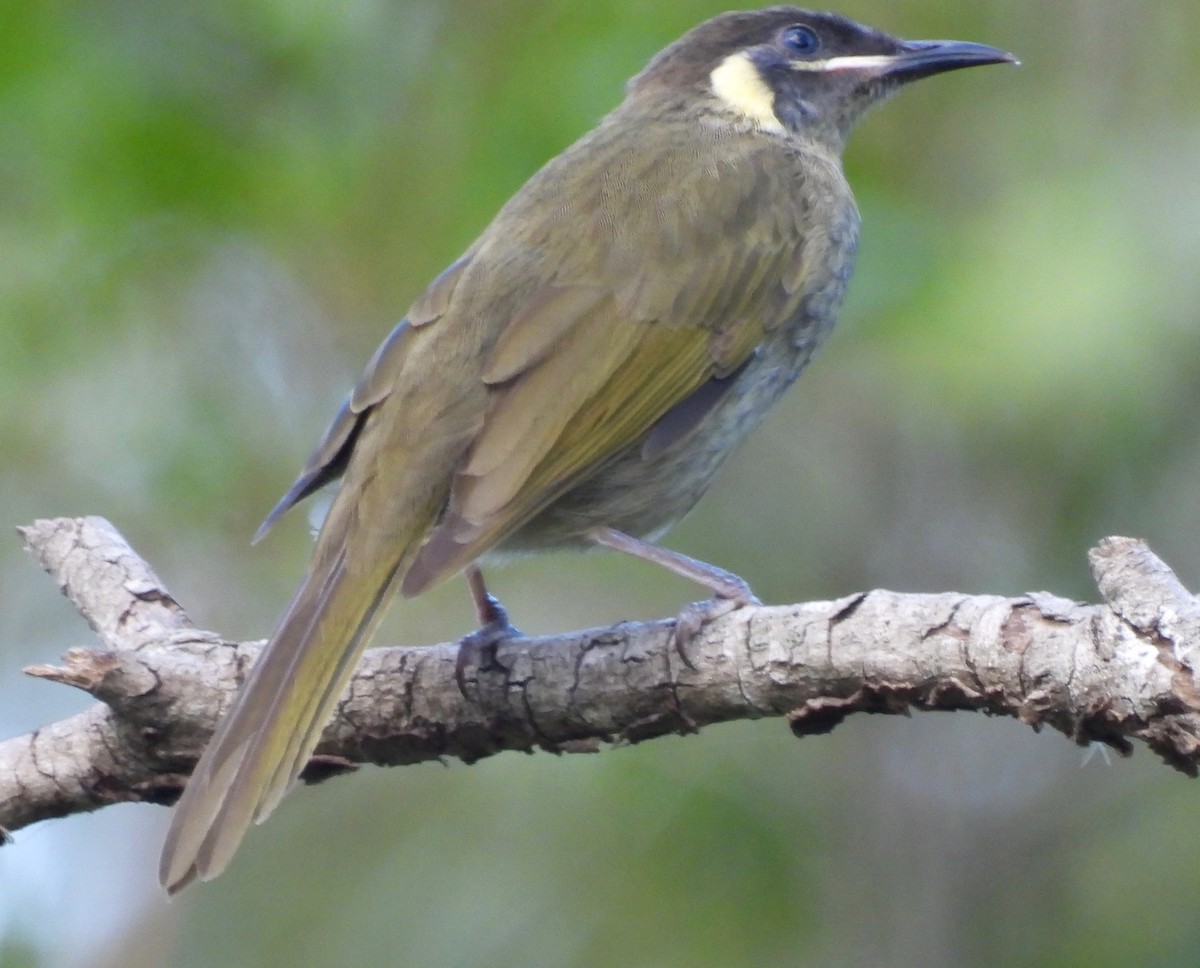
[1113, 673]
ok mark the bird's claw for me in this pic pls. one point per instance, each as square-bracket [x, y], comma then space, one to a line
[479, 648]
[694, 616]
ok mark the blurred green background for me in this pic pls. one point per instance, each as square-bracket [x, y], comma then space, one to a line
[211, 213]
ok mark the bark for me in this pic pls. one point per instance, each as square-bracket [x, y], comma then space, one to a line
[1116, 673]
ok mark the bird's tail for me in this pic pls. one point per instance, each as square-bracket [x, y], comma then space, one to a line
[266, 738]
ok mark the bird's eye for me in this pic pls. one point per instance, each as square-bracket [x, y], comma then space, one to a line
[800, 40]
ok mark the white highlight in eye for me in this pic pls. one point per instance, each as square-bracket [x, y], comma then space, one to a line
[737, 82]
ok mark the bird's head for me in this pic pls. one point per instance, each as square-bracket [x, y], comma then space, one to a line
[787, 70]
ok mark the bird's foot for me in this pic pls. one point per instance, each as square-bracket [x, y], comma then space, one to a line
[733, 594]
[479, 648]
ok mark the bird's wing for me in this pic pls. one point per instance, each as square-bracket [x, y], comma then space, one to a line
[606, 331]
[598, 358]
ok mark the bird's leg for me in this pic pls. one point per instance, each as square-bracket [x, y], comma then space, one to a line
[488, 610]
[728, 590]
[494, 628]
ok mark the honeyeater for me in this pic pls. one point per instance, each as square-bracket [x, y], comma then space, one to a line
[579, 374]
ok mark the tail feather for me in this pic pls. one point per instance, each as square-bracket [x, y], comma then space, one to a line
[311, 723]
[266, 738]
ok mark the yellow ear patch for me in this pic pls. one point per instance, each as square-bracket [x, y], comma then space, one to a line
[737, 83]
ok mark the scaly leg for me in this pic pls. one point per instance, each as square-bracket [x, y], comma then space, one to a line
[728, 590]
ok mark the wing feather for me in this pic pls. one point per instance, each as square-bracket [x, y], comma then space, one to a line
[328, 460]
[538, 329]
[644, 371]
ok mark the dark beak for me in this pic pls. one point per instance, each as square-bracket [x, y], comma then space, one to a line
[921, 58]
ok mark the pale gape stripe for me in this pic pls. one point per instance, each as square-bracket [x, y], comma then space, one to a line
[847, 63]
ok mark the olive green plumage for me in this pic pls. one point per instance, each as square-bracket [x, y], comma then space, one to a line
[588, 363]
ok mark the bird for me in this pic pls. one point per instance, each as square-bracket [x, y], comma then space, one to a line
[576, 378]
